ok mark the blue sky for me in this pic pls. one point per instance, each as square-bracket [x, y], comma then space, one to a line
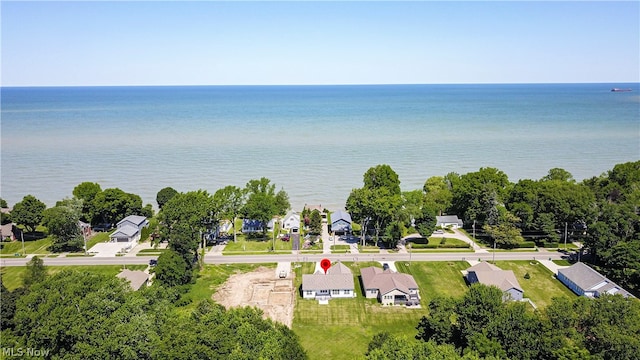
[211, 43]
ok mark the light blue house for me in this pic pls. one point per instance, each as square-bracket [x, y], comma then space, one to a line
[340, 222]
[585, 281]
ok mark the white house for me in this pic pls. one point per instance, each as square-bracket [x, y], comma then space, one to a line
[491, 275]
[291, 221]
[390, 288]
[585, 281]
[450, 221]
[336, 283]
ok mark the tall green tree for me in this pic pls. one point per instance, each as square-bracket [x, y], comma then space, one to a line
[113, 205]
[183, 219]
[262, 202]
[172, 269]
[438, 196]
[87, 192]
[28, 212]
[230, 200]
[36, 272]
[62, 224]
[164, 195]
[379, 200]
[359, 205]
[559, 174]
[315, 222]
[476, 194]
[505, 232]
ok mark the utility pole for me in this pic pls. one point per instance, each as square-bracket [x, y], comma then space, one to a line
[474, 230]
[494, 252]
[22, 237]
[565, 236]
[84, 237]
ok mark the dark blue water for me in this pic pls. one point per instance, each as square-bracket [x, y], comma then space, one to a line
[313, 141]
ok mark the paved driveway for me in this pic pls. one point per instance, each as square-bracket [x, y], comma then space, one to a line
[283, 267]
[107, 249]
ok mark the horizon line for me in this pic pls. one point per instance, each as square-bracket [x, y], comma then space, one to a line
[302, 85]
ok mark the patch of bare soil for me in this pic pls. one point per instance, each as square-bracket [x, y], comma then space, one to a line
[261, 289]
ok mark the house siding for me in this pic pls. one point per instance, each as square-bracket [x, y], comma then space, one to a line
[389, 298]
[571, 285]
[513, 294]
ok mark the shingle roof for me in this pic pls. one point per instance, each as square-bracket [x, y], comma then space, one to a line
[136, 277]
[386, 281]
[338, 277]
[126, 230]
[340, 215]
[490, 274]
[589, 279]
[134, 219]
[448, 219]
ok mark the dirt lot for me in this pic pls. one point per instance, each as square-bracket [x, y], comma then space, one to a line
[261, 289]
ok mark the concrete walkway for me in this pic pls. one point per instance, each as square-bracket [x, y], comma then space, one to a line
[392, 265]
[549, 264]
[217, 249]
[326, 238]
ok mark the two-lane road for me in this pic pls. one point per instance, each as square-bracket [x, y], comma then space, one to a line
[231, 259]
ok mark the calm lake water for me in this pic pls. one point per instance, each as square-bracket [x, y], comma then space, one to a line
[315, 142]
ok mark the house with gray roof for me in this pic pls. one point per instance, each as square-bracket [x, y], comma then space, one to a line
[340, 222]
[491, 275]
[450, 221]
[336, 283]
[129, 230]
[136, 278]
[390, 288]
[136, 221]
[585, 281]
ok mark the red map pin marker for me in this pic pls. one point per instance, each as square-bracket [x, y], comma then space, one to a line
[325, 264]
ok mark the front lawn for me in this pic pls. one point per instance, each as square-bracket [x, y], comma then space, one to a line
[541, 286]
[31, 247]
[244, 245]
[347, 324]
[340, 249]
[437, 278]
[368, 249]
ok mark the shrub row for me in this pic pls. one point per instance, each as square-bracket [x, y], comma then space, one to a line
[439, 246]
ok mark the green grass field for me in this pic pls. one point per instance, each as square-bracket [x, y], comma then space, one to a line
[12, 275]
[31, 247]
[542, 286]
[437, 278]
[340, 249]
[562, 262]
[244, 245]
[347, 324]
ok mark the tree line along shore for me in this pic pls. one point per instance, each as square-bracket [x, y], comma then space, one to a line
[602, 213]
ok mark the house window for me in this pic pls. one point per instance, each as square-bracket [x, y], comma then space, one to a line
[309, 292]
[335, 292]
[347, 292]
